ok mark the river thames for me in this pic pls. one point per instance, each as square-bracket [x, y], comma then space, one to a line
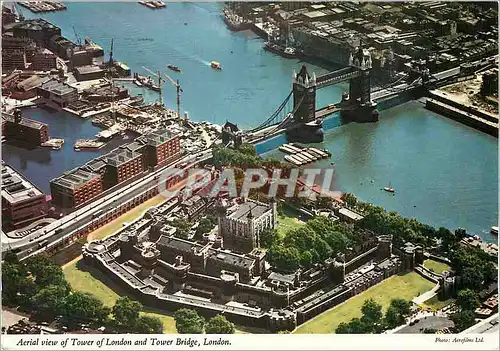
[444, 173]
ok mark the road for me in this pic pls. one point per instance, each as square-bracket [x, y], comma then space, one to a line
[66, 226]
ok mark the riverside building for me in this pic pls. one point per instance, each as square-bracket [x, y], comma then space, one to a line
[22, 202]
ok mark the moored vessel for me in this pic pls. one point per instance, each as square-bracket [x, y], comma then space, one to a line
[174, 68]
[494, 230]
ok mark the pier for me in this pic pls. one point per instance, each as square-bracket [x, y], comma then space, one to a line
[43, 6]
[299, 155]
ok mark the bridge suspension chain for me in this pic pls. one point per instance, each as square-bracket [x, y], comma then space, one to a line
[272, 118]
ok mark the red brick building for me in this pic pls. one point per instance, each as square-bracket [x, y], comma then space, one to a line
[162, 147]
[24, 129]
[22, 202]
[121, 165]
[75, 188]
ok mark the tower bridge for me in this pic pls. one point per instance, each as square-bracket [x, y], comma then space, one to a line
[299, 118]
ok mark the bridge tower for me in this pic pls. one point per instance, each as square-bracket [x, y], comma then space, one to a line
[305, 128]
[304, 94]
[361, 107]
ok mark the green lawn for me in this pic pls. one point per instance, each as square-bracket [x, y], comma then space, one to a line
[91, 280]
[436, 267]
[127, 217]
[405, 286]
[287, 221]
[434, 303]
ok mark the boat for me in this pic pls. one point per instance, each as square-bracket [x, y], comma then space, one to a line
[389, 188]
[174, 68]
[494, 231]
[311, 132]
[215, 65]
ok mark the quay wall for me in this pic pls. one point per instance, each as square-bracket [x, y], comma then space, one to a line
[463, 117]
[469, 109]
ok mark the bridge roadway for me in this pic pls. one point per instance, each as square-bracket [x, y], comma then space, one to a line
[69, 224]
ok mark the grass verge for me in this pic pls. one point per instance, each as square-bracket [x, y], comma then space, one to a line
[404, 286]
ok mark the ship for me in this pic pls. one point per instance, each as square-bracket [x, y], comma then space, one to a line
[215, 65]
[311, 132]
[287, 52]
[174, 68]
[234, 22]
[389, 188]
[494, 231]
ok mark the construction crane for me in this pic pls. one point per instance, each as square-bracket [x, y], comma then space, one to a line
[160, 82]
[179, 91]
[78, 39]
[18, 11]
[111, 54]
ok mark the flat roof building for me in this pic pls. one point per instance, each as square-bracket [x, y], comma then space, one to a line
[58, 92]
[15, 127]
[74, 188]
[22, 202]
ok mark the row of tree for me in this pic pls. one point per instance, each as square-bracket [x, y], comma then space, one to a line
[319, 239]
[38, 286]
[373, 321]
[473, 265]
[188, 321]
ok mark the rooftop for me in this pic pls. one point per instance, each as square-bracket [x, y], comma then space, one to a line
[159, 137]
[244, 209]
[231, 258]
[120, 156]
[24, 121]
[57, 87]
[88, 69]
[75, 178]
[15, 188]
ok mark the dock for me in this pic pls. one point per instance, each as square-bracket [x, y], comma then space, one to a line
[153, 4]
[54, 144]
[299, 155]
[43, 6]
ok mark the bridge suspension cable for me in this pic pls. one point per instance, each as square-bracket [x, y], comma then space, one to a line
[272, 118]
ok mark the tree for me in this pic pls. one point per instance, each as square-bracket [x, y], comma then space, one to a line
[472, 278]
[10, 257]
[372, 312]
[403, 306]
[283, 258]
[429, 331]
[126, 312]
[358, 326]
[219, 325]
[49, 302]
[183, 227]
[83, 308]
[398, 310]
[393, 318]
[463, 320]
[148, 325]
[467, 300]
[46, 272]
[13, 276]
[268, 237]
[205, 225]
[343, 328]
[188, 322]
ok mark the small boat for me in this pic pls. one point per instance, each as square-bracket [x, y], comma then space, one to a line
[389, 188]
[215, 65]
[174, 68]
[494, 231]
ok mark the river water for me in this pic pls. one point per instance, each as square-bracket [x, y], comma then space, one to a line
[444, 173]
